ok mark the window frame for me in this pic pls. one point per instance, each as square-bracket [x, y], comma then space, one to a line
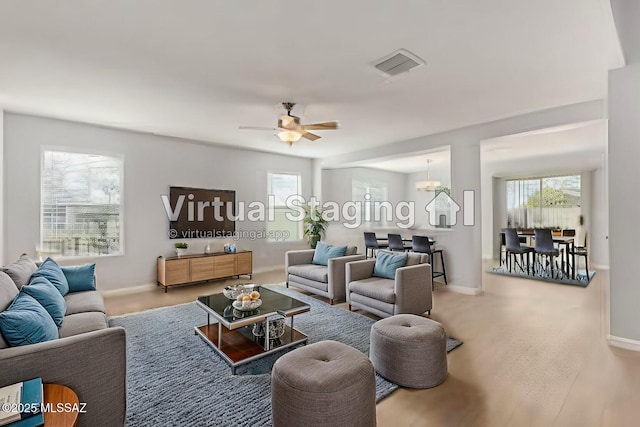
[78, 150]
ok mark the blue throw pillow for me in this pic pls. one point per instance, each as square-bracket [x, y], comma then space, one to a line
[48, 296]
[324, 252]
[52, 272]
[387, 264]
[26, 322]
[80, 277]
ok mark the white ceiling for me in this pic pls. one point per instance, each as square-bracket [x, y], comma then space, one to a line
[578, 147]
[199, 69]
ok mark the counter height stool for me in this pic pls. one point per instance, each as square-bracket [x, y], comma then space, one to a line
[396, 243]
[422, 244]
[371, 243]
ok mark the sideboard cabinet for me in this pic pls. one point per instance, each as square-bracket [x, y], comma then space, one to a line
[188, 269]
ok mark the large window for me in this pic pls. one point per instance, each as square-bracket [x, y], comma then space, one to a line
[281, 187]
[550, 202]
[81, 211]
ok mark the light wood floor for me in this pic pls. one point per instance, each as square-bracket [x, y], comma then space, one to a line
[534, 354]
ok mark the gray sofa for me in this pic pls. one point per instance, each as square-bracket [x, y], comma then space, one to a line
[409, 293]
[327, 281]
[89, 357]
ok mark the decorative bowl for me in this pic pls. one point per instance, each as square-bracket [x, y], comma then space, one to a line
[247, 305]
[233, 291]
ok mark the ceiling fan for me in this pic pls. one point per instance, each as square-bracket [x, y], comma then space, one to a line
[290, 129]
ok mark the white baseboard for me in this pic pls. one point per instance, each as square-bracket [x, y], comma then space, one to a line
[625, 343]
[464, 290]
[129, 290]
[599, 266]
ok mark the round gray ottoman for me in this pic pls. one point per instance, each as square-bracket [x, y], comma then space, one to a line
[323, 384]
[409, 350]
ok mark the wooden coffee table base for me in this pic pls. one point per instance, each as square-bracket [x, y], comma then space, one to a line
[238, 347]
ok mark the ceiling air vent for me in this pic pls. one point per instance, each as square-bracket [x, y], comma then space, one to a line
[398, 62]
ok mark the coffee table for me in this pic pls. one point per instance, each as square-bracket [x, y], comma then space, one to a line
[231, 336]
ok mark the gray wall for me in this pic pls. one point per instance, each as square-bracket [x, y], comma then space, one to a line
[624, 179]
[463, 244]
[152, 164]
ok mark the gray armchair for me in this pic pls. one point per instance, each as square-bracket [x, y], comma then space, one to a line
[409, 293]
[327, 281]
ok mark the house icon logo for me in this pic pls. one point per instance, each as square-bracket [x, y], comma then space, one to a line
[443, 210]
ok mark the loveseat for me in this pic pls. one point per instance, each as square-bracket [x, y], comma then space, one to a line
[325, 277]
[88, 356]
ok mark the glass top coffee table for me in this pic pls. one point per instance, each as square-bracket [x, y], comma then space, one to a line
[231, 333]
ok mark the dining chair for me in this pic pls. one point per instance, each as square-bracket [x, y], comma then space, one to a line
[395, 242]
[371, 244]
[513, 248]
[544, 247]
[579, 251]
[422, 244]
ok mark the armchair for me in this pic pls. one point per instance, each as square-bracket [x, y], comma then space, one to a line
[409, 293]
[327, 281]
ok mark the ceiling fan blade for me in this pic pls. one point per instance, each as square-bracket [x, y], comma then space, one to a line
[255, 128]
[311, 136]
[321, 126]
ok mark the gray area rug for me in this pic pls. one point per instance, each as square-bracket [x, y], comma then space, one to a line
[174, 378]
[540, 274]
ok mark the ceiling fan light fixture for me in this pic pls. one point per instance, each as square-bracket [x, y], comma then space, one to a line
[289, 136]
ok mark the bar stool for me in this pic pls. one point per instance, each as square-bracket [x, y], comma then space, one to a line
[371, 243]
[395, 243]
[422, 244]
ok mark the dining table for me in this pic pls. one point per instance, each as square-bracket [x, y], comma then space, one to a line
[568, 262]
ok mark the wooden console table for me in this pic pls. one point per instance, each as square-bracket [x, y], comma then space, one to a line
[188, 269]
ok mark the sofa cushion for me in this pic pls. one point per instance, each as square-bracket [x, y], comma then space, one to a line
[375, 287]
[319, 273]
[387, 264]
[8, 291]
[414, 259]
[324, 252]
[79, 323]
[48, 296]
[308, 285]
[21, 270]
[82, 302]
[27, 322]
[52, 271]
[80, 277]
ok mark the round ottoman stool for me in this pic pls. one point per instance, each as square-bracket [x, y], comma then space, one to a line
[323, 384]
[409, 350]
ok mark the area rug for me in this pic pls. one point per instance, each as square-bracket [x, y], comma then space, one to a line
[174, 378]
[540, 274]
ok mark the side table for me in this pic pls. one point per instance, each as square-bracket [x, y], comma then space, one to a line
[55, 394]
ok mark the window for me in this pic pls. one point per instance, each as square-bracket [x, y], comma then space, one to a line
[550, 202]
[369, 197]
[281, 187]
[81, 211]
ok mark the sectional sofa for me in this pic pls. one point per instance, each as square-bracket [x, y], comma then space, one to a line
[87, 355]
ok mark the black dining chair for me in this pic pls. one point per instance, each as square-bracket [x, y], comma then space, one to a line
[395, 243]
[371, 244]
[579, 251]
[423, 244]
[513, 248]
[544, 247]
